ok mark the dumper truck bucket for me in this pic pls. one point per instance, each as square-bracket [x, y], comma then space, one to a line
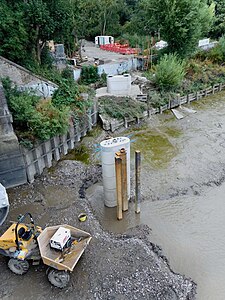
[4, 204]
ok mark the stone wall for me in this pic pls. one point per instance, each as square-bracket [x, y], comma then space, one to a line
[25, 79]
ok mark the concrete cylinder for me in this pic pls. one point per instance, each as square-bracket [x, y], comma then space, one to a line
[119, 84]
[108, 149]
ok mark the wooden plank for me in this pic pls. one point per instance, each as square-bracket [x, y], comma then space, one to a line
[124, 179]
[137, 181]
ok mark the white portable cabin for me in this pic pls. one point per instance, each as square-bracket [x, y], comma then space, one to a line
[104, 40]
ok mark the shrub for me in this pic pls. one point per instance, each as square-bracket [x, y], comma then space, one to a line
[159, 99]
[67, 73]
[69, 94]
[89, 74]
[35, 118]
[222, 44]
[48, 120]
[169, 72]
[120, 107]
[22, 107]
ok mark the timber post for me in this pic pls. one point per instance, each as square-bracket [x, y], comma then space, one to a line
[123, 156]
[137, 181]
[118, 166]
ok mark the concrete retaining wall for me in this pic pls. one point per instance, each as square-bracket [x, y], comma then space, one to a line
[19, 165]
[43, 155]
[113, 68]
[12, 166]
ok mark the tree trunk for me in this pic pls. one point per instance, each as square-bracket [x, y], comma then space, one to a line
[104, 24]
[38, 47]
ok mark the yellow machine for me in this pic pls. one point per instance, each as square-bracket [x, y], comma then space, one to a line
[19, 243]
[26, 243]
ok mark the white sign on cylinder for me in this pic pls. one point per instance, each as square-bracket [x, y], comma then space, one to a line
[108, 149]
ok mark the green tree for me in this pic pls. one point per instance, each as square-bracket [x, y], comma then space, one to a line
[13, 34]
[169, 72]
[218, 28]
[26, 26]
[40, 25]
[181, 23]
[97, 17]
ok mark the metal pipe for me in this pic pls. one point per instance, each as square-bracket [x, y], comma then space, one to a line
[123, 156]
[137, 181]
[118, 166]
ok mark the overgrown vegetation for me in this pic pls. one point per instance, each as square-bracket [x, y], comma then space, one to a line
[168, 73]
[157, 99]
[27, 26]
[89, 74]
[172, 76]
[121, 107]
[36, 118]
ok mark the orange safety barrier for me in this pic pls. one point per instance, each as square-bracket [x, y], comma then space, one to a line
[118, 48]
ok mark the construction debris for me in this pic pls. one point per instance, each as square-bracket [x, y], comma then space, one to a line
[177, 114]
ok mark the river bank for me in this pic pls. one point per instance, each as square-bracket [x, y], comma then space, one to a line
[179, 159]
[124, 266]
[183, 186]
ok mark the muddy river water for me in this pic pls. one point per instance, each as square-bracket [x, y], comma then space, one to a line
[183, 167]
[190, 231]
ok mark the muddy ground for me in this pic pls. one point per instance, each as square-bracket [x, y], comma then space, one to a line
[113, 267]
[187, 157]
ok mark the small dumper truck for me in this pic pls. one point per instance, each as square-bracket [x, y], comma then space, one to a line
[26, 244]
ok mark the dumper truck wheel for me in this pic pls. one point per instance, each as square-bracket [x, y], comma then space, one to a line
[18, 267]
[59, 279]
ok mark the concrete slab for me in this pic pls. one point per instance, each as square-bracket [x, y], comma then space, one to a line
[135, 90]
[177, 114]
[91, 51]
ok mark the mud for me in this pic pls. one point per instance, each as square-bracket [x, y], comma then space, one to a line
[124, 266]
[186, 172]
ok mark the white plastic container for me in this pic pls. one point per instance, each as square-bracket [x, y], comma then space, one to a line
[4, 204]
[119, 84]
[108, 149]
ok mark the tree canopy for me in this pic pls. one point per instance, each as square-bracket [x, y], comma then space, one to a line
[218, 28]
[26, 25]
[181, 23]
